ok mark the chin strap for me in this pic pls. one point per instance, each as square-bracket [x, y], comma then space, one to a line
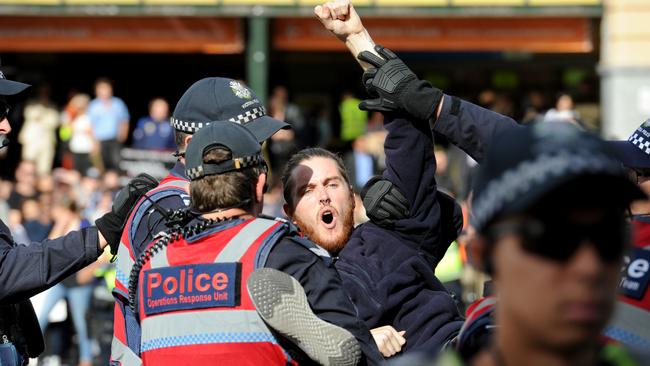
[4, 141]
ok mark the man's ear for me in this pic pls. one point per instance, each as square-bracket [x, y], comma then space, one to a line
[478, 253]
[288, 211]
[187, 140]
[259, 187]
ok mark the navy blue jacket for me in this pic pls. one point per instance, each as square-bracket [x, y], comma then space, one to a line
[470, 127]
[28, 270]
[389, 274]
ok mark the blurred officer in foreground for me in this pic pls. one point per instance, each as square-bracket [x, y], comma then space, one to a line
[190, 296]
[549, 208]
[28, 270]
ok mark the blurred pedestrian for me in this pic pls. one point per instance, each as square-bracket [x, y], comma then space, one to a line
[76, 289]
[38, 134]
[109, 117]
[153, 132]
[82, 140]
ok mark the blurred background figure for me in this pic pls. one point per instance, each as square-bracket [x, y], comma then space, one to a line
[563, 111]
[82, 142]
[38, 134]
[76, 289]
[109, 117]
[154, 132]
[283, 144]
[353, 120]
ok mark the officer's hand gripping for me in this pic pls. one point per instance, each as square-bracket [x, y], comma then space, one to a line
[396, 87]
[112, 223]
[383, 202]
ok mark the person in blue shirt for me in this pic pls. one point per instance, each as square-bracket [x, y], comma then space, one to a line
[154, 132]
[110, 122]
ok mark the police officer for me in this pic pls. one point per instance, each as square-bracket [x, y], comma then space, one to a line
[28, 270]
[209, 99]
[549, 206]
[631, 322]
[190, 293]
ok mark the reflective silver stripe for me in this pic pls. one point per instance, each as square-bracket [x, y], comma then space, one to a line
[175, 183]
[240, 243]
[632, 320]
[123, 354]
[200, 327]
[159, 259]
[123, 264]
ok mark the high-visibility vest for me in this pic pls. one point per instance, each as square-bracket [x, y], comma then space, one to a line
[125, 347]
[193, 304]
[126, 254]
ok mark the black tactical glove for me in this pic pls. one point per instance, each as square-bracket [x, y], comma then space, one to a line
[384, 203]
[396, 86]
[112, 224]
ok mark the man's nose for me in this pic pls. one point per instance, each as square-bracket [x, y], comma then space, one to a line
[5, 127]
[323, 197]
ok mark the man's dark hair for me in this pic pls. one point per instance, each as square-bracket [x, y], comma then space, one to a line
[224, 191]
[179, 139]
[306, 154]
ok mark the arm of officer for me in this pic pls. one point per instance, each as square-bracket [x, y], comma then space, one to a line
[324, 291]
[470, 127]
[466, 125]
[28, 270]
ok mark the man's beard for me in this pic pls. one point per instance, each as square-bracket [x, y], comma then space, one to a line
[335, 245]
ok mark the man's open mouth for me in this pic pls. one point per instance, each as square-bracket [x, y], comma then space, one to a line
[327, 218]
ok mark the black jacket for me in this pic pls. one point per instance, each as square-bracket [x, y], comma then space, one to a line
[28, 270]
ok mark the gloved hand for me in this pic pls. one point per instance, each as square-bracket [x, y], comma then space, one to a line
[396, 86]
[383, 202]
[112, 224]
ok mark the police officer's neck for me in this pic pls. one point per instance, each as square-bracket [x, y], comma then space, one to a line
[229, 214]
[513, 347]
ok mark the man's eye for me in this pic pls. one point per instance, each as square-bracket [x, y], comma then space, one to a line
[307, 190]
[333, 185]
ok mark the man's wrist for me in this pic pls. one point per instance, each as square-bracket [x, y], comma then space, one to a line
[359, 42]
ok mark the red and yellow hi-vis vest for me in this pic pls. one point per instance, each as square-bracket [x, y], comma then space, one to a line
[193, 304]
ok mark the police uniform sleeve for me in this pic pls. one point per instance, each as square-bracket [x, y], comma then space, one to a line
[28, 270]
[470, 127]
[324, 291]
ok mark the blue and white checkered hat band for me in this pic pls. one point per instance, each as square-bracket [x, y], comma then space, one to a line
[642, 142]
[189, 127]
[248, 116]
[518, 181]
[192, 127]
